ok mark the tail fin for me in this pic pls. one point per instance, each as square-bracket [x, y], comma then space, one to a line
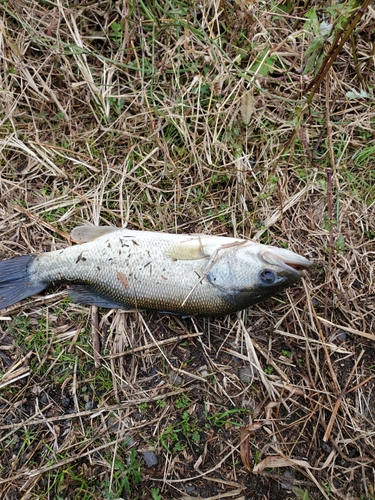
[15, 280]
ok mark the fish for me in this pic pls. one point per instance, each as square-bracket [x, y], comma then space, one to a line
[182, 274]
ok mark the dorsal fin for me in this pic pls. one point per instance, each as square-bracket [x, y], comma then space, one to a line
[84, 234]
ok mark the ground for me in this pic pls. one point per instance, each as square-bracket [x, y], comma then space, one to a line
[248, 119]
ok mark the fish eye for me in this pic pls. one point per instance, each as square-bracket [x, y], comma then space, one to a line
[268, 277]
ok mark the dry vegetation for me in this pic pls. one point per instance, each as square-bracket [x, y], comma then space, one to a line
[245, 118]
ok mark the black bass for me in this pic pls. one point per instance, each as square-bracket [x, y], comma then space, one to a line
[172, 273]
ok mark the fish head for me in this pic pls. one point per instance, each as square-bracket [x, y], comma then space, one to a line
[250, 272]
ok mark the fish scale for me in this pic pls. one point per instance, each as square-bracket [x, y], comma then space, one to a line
[180, 274]
[154, 281]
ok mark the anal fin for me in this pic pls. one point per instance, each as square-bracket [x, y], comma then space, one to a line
[85, 294]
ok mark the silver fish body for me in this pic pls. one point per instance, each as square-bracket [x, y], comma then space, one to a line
[180, 274]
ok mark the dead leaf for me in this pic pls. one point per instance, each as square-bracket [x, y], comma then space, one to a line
[275, 461]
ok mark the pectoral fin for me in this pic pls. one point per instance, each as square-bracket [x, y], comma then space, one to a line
[191, 249]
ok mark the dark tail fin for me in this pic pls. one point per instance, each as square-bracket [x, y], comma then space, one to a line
[15, 280]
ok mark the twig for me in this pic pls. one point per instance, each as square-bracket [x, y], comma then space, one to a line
[95, 335]
[339, 399]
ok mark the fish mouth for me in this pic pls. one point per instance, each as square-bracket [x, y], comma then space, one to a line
[288, 260]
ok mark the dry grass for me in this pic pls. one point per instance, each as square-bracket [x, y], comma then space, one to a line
[191, 117]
